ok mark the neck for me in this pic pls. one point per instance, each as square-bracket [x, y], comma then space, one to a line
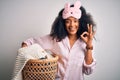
[72, 37]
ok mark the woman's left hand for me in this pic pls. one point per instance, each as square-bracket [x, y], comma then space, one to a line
[87, 37]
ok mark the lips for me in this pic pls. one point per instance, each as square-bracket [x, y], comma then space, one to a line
[72, 29]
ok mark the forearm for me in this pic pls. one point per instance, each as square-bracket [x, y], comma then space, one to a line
[88, 56]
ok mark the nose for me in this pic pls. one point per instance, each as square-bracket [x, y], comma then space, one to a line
[71, 23]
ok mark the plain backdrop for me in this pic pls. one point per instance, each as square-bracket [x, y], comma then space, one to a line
[22, 19]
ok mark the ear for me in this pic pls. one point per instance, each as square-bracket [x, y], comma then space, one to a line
[67, 6]
[77, 4]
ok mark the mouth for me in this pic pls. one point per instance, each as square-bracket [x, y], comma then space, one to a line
[72, 29]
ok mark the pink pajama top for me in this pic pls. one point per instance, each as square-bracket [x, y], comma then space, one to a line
[71, 63]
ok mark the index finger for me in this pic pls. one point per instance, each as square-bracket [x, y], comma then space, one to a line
[89, 28]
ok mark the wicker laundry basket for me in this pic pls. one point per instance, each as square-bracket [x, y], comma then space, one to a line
[40, 69]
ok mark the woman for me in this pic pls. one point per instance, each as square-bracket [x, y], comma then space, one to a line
[71, 38]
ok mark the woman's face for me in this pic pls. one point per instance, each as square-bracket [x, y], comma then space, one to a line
[72, 25]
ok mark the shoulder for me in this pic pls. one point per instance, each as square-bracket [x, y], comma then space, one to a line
[46, 37]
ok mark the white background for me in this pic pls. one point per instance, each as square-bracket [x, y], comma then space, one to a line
[22, 19]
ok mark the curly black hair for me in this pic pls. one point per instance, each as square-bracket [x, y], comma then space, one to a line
[58, 30]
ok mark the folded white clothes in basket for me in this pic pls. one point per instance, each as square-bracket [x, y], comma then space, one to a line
[34, 51]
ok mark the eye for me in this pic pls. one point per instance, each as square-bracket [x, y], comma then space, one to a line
[76, 21]
[67, 21]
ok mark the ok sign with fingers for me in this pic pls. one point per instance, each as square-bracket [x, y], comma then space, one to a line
[87, 37]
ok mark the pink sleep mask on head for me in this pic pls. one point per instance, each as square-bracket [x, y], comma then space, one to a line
[72, 11]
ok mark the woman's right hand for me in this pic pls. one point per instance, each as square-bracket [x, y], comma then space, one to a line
[24, 45]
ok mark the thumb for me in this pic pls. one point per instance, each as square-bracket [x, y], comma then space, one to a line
[84, 36]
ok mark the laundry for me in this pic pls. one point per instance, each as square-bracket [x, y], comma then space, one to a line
[34, 51]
